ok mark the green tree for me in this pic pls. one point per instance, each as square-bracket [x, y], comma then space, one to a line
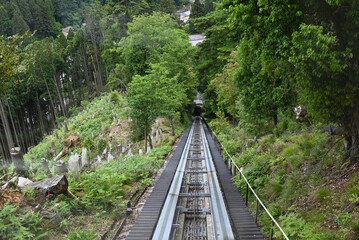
[197, 11]
[208, 6]
[19, 25]
[154, 39]
[153, 95]
[43, 17]
[12, 58]
[214, 52]
[228, 95]
[12, 62]
[5, 22]
[308, 45]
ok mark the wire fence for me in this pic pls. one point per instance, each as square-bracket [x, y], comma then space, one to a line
[235, 169]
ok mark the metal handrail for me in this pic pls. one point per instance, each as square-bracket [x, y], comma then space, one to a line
[240, 170]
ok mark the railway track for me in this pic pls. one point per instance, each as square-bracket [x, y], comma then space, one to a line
[188, 203]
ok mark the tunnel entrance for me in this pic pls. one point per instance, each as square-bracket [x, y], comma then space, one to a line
[199, 105]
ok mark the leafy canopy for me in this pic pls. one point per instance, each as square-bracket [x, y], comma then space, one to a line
[12, 58]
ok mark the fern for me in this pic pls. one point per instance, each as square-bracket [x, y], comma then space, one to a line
[19, 227]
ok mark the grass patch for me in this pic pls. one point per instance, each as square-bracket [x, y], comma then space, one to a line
[322, 194]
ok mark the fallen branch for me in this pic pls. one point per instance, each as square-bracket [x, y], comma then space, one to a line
[72, 195]
[6, 185]
[7, 174]
[331, 149]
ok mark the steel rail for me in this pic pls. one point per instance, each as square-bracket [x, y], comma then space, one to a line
[240, 170]
[164, 225]
[221, 222]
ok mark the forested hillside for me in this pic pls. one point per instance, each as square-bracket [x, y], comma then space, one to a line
[110, 74]
[287, 53]
[277, 56]
[58, 72]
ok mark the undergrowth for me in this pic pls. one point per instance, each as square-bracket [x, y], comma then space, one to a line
[102, 189]
[299, 173]
[88, 121]
[13, 226]
[112, 181]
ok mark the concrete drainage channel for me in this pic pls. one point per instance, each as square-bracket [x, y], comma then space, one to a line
[194, 207]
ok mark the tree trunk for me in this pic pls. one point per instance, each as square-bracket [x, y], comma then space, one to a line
[87, 78]
[80, 95]
[172, 126]
[145, 138]
[59, 94]
[7, 130]
[354, 150]
[275, 120]
[24, 128]
[6, 152]
[150, 142]
[94, 77]
[95, 49]
[29, 126]
[11, 119]
[51, 101]
[106, 69]
[22, 138]
[2, 162]
[98, 63]
[39, 112]
[70, 93]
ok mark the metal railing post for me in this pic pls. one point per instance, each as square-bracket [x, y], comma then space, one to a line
[257, 210]
[271, 232]
[247, 195]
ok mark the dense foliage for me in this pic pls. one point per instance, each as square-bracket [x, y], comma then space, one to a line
[91, 56]
[300, 176]
[289, 53]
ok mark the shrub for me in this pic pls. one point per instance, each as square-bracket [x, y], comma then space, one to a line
[101, 145]
[322, 193]
[88, 143]
[19, 227]
[91, 128]
[290, 150]
[65, 206]
[343, 218]
[114, 97]
[297, 228]
[60, 119]
[82, 235]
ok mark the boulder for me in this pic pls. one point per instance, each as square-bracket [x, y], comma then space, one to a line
[55, 185]
[333, 130]
[22, 182]
[50, 220]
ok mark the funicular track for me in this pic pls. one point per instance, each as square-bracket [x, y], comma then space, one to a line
[187, 202]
